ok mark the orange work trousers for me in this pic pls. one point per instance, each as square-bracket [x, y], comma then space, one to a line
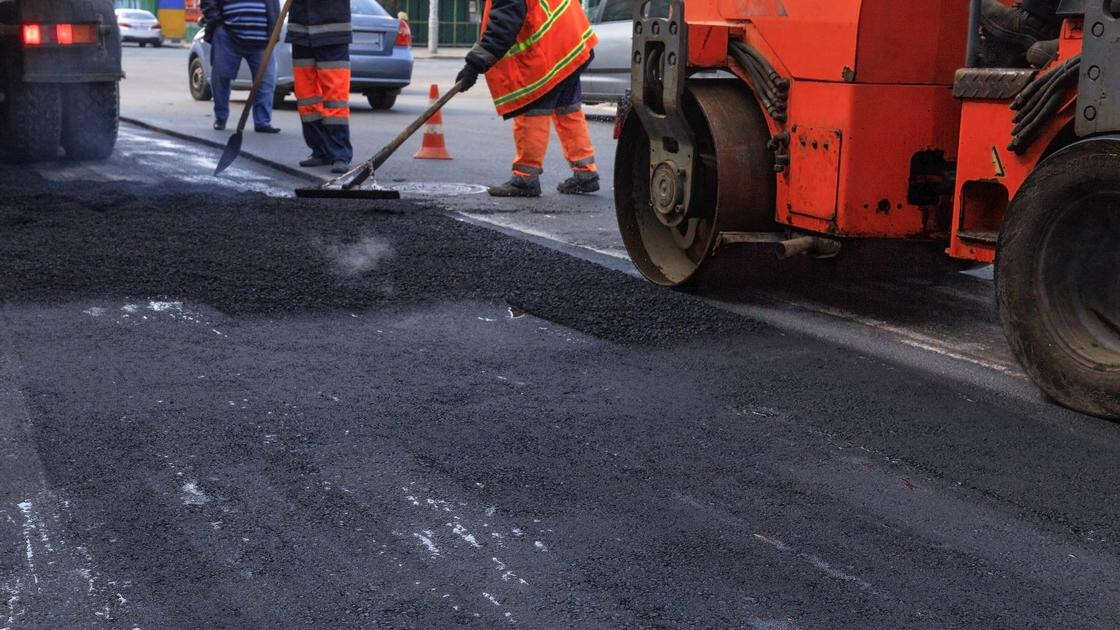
[322, 87]
[530, 136]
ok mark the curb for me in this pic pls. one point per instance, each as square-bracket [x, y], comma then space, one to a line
[283, 168]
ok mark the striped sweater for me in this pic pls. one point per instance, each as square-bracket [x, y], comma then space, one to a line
[247, 20]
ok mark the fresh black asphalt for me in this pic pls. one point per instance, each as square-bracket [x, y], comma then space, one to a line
[231, 410]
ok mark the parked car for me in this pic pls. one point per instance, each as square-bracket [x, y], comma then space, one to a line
[139, 26]
[608, 76]
[380, 59]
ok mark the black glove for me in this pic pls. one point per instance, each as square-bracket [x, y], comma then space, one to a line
[468, 76]
[208, 30]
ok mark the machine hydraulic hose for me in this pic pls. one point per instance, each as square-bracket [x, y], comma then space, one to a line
[1039, 101]
[771, 88]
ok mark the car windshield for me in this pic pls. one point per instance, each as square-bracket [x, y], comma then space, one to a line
[136, 15]
[366, 7]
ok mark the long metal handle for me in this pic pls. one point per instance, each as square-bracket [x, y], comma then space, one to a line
[265, 62]
[363, 171]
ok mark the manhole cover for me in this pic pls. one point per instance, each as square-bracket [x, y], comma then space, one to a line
[437, 189]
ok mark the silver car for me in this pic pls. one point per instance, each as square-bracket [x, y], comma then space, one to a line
[140, 27]
[380, 59]
[608, 76]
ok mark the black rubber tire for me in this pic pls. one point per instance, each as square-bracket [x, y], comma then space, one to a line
[381, 99]
[157, 44]
[197, 83]
[33, 121]
[1058, 276]
[143, 44]
[90, 120]
[278, 99]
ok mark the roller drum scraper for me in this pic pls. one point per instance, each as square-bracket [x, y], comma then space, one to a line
[340, 188]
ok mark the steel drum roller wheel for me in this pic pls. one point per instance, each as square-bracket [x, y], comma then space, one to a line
[1058, 276]
[733, 185]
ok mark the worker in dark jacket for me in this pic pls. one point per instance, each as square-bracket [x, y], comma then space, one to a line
[532, 56]
[320, 34]
[236, 30]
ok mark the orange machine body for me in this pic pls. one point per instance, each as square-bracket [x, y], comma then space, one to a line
[871, 96]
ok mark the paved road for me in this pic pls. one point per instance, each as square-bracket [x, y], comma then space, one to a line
[478, 139]
[949, 315]
[221, 408]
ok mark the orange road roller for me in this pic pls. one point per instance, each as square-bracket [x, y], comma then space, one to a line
[808, 124]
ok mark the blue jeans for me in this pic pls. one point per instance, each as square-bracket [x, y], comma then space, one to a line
[226, 54]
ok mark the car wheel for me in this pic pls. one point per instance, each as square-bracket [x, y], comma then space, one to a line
[382, 99]
[33, 121]
[143, 44]
[90, 119]
[278, 99]
[200, 87]
[157, 44]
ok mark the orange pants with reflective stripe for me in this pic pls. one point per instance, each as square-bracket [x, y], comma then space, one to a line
[530, 136]
[322, 89]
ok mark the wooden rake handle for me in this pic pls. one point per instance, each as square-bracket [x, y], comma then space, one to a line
[363, 171]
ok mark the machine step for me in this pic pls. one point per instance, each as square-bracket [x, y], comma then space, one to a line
[988, 237]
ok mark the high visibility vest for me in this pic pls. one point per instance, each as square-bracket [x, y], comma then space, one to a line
[554, 42]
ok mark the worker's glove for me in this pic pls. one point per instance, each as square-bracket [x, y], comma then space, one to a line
[478, 61]
[208, 30]
[468, 76]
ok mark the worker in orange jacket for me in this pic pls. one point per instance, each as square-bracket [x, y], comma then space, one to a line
[532, 53]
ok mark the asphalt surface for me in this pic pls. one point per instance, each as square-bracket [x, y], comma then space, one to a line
[155, 92]
[228, 409]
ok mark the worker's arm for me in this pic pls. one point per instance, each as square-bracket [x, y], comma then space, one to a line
[503, 23]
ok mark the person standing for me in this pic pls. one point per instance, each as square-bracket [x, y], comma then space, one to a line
[532, 56]
[236, 30]
[320, 34]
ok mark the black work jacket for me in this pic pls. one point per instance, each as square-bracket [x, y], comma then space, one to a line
[319, 23]
[212, 14]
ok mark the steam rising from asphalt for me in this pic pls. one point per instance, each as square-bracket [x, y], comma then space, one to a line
[352, 259]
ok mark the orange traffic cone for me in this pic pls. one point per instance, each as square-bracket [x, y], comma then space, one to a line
[433, 148]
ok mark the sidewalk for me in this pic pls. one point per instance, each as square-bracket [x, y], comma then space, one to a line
[444, 52]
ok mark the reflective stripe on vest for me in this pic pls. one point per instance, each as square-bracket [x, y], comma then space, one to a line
[552, 72]
[552, 44]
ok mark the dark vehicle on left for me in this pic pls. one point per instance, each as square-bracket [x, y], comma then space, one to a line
[60, 69]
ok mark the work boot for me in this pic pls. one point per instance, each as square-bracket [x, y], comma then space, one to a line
[517, 186]
[1042, 54]
[339, 167]
[580, 183]
[314, 160]
[1014, 25]
[219, 125]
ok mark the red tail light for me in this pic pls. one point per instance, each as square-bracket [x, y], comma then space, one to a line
[404, 35]
[32, 35]
[64, 33]
[155, 27]
[124, 25]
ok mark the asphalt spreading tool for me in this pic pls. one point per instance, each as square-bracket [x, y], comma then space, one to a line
[349, 184]
[233, 146]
